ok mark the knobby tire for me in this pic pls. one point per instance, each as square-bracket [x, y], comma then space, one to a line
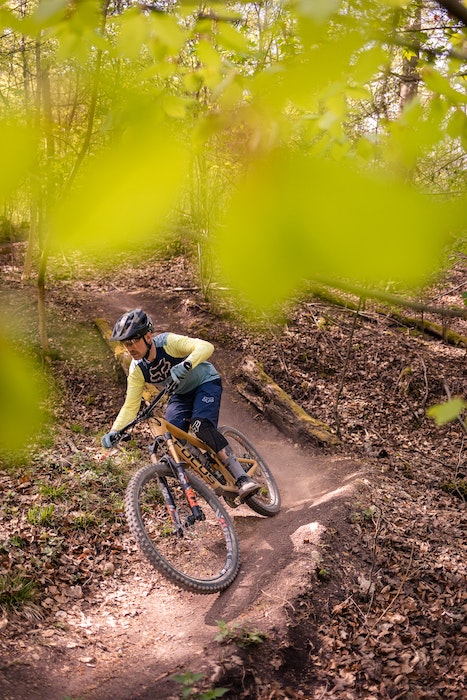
[206, 558]
[267, 501]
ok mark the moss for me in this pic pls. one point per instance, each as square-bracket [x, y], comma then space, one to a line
[458, 488]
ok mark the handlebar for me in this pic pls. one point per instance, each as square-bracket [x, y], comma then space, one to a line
[145, 413]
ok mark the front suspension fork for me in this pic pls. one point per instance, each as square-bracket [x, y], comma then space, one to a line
[196, 511]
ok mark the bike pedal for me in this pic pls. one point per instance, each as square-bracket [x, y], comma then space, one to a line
[232, 501]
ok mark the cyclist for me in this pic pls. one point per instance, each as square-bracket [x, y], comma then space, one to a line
[195, 402]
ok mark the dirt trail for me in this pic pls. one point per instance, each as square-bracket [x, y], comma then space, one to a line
[165, 631]
[127, 643]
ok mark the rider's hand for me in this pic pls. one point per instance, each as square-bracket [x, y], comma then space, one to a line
[179, 372]
[109, 439]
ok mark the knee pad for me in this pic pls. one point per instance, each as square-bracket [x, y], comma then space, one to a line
[205, 431]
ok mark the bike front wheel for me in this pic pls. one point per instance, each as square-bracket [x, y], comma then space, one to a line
[267, 500]
[200, 555]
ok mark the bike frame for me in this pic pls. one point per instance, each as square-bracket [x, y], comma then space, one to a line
[175, 439]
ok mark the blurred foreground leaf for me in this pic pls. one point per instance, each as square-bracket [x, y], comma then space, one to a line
[295, 218]
[22, 392]
[447, 412]
[18, 148]
[125, 193]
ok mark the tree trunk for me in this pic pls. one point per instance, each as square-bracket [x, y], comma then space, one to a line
[32, 238]
[44, 102]
[410, 76]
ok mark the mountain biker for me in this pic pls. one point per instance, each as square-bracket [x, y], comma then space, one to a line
[195, 402]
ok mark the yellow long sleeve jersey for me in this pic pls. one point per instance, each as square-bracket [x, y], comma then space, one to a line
[170, 350]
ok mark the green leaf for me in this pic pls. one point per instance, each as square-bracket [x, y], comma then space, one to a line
[230, 91]
[438, 83]
[8, 20]
[167, 36]
[133, 34]
[125, 193]
[79, 33]
[174, 106]
[208, 55]
[230, 38]
[18, 148]
[296, 218]
[358, 93]
[317, 10]
[193, 81]
[318, 70]
[447, 412]
[418, 130]
[408, 54]
[457, 125]
[22, 391]
[368, 62]
[50, 11]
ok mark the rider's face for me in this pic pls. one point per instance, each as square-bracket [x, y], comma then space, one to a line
[137, 347]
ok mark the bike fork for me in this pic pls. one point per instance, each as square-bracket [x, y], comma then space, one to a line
[171, 505]
[196, 511]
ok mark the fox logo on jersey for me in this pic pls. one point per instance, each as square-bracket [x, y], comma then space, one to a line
[159, 372]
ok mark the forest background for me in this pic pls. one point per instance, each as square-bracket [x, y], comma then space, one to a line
[305, 142]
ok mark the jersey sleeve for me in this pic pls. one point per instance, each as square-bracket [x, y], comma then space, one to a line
[193, 349]
[134, 394]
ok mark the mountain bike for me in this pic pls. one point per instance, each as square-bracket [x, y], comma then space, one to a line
[173, 505]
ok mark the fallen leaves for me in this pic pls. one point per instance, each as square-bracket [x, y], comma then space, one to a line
[402, 624]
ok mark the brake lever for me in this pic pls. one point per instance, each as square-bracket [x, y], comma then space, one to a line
[120, 437]
[169, 390]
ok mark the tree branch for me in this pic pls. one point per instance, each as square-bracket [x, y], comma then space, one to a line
[394, 299]
[398, 40]
[455, 8]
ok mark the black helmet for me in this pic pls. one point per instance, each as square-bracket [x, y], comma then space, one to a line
[133, 323]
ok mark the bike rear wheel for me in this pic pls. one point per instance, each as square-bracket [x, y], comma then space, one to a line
[202, 556]
[267, 500]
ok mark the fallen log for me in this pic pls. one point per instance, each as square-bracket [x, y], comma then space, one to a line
[436, 330]
[276, 405]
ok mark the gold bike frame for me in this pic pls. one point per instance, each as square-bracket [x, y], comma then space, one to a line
[176, 437]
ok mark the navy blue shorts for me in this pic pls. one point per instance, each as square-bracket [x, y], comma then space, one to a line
[202, 402]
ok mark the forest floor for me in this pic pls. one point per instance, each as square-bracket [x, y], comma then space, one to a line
[357, 589]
